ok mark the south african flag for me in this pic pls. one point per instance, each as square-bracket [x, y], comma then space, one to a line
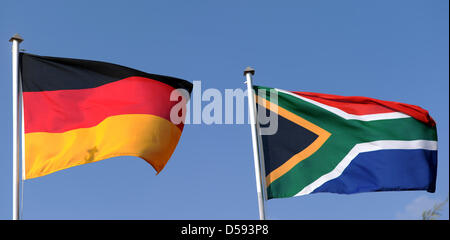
[337, 144]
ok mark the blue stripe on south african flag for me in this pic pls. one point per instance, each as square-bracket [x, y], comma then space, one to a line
[386, 170]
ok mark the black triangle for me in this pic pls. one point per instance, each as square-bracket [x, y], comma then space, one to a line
[289, 140]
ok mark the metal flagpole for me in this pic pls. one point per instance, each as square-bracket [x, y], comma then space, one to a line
[16, 94]
[248, 72]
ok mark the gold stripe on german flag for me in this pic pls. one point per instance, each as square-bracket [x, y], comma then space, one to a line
[81, 111]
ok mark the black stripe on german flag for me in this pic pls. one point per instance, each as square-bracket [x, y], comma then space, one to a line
[80, 111]
[53, 73]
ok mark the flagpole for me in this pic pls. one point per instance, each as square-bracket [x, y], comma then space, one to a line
[16, 95]
[248, 72]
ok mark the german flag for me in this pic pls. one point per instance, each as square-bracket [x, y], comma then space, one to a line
[81, 111]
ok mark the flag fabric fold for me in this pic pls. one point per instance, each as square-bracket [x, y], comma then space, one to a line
[337, 144]
[81, 111]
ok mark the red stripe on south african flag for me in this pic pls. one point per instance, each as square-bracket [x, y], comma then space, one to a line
[364, 106]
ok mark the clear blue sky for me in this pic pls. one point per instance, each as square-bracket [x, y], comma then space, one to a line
[391, 50]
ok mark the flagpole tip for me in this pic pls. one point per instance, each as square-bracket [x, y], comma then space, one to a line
[249, 70]
[16, 37]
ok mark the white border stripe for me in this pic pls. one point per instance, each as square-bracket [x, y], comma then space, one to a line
[339, 112]
[366, 147]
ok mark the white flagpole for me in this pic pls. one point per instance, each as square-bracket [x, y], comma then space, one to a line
[248, 72]
[16, 95]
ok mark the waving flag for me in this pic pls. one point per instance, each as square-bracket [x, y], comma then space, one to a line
[80, 111]
[329, 143]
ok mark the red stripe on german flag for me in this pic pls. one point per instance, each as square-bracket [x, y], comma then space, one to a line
[80, 111]
[63, 110]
